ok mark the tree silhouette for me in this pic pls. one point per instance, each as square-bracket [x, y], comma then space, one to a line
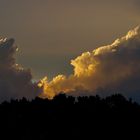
[68, 117]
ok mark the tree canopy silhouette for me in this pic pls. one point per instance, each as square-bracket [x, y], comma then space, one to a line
[68, 117]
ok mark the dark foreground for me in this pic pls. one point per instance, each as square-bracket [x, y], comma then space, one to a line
[70, 118]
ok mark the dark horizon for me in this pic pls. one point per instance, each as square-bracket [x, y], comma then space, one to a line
[67, 117]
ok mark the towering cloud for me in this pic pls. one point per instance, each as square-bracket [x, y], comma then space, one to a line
[15, 82]
[112, 68]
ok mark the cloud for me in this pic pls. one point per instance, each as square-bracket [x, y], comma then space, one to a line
[15, 81]
[112, 68]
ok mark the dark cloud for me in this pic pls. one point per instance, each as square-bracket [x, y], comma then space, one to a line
[15, 81]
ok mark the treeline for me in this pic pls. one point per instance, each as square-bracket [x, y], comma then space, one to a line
[69, 117]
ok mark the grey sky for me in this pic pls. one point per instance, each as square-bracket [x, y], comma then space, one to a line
[50, 33]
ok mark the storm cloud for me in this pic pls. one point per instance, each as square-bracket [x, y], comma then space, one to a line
[112, 68]
[15, 81]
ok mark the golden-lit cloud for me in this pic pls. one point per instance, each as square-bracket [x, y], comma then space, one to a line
[113, 68]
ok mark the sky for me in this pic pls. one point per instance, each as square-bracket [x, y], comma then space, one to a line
[49, 33]
[79, 47]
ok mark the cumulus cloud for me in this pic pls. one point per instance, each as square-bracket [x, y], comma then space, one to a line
[15, 81]
[112, 68]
